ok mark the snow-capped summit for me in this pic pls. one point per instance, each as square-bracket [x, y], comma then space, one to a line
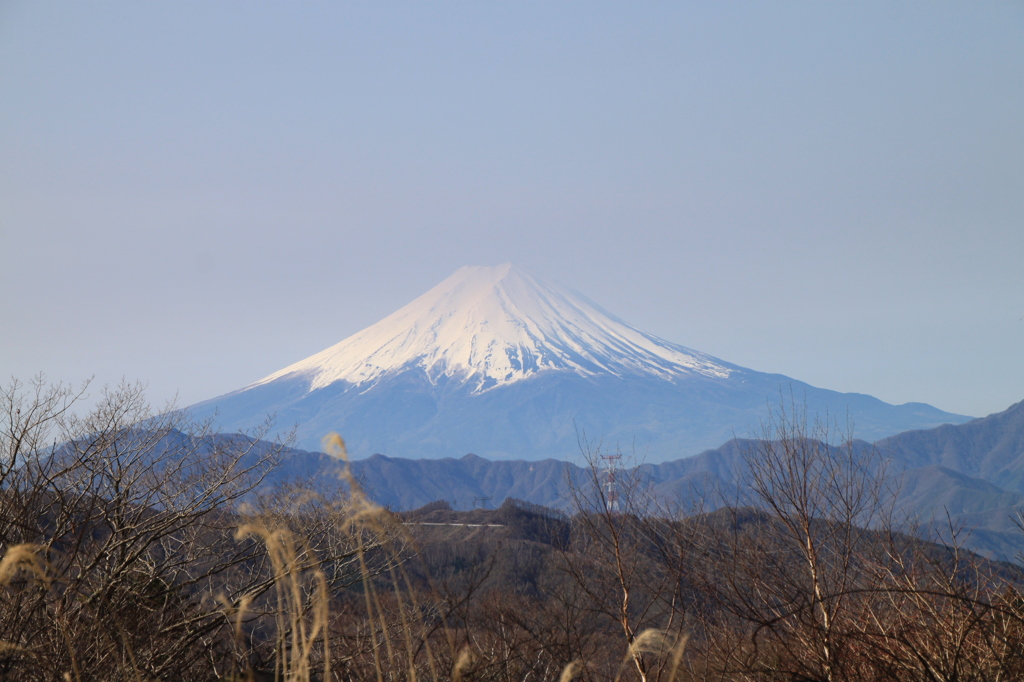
[492, 326]
[496, 361]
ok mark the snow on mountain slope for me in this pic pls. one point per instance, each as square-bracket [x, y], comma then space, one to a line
[498, 362]
[493, 326]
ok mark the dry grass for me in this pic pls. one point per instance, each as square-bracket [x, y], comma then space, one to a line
[401, 643]
[23, 559]
[301, 617]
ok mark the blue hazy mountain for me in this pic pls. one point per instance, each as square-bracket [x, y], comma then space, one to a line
[971, 473]
[495, 361]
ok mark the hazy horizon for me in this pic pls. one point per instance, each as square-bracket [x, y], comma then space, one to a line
[198, 194]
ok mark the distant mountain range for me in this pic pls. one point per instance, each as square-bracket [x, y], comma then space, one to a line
[971, 471]
[495, 361]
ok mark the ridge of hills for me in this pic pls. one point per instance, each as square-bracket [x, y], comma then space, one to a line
[983, 456]
[496, 361]
[970, 471]
[991, 448]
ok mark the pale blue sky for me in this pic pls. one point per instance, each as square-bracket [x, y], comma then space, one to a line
[197, 194]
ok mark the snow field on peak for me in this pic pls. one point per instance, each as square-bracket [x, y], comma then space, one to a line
[491, 326]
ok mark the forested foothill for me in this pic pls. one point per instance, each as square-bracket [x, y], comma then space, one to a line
[137, 545]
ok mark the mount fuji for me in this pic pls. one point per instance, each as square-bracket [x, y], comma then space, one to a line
[496, 361]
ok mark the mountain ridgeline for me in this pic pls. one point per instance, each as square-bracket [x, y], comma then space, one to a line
[969, 473]
[495, 361]
[939, 464]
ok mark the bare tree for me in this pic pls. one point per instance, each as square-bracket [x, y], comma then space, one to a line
[617, 558]
[813, 576]
[134, 515]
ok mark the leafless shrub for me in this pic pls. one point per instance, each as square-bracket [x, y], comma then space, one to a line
[136, 546]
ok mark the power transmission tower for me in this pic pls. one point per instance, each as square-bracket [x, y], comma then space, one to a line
[482, 500]
[611, 491]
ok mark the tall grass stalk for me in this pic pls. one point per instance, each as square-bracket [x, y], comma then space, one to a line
[301, 621]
